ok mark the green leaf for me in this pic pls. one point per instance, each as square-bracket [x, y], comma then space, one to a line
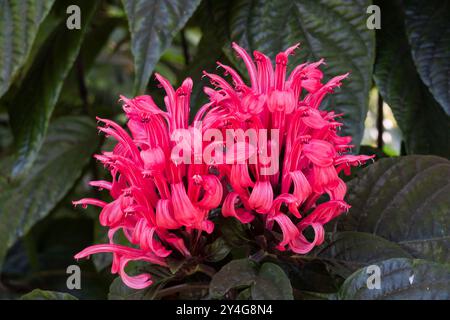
[38, 294]
[424, 124]
[153, 24]
[237, 273]
[119, 291]
[35, 100]
[271, 284]
[428, 27]
[233, 232]
[401, 279]
[211, 16]
[404, 200]
[67, 149]
[312, 275]
[348, 251]
[335, 30]
[217, 250]
[19, 23]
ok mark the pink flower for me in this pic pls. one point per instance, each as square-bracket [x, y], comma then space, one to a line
[305, 142]
[153, 198]
[282, 165]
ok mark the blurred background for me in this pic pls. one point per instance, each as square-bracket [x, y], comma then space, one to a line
[54, 81]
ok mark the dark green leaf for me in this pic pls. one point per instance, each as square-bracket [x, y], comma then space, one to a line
[345, 252]
[237, 273]
[212, 16]
[401, 279]
[245, 294]
[233, 232]
[217, 250]
[35, 100]
[271, 284]
[67, 149]
[38, 294]
[424, 124]
[312, 275]
[404, 200]
[334, 30]
[19, 23]
[153, 24]
[428, 27]
[96, 38]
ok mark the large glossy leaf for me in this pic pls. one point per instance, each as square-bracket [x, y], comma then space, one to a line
[212, 17]
[19, 23]
[428, 27]
[35, 99]
[217, 250]
[335, 30]
[401, 279]
[404, 200]
[271, 283]
[424, 124]
[237, 273]
[233, 232]
[153, 24]
[38, 294]
[345, 252]
[67, 149]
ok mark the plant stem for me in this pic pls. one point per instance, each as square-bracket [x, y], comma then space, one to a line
[203, 268]
[380, 126]
[82, 85]
[184, 44]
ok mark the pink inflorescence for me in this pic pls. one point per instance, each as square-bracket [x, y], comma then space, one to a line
[311, 153]
[152, 195]
[155, 197]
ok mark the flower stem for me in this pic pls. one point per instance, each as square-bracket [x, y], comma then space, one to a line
[203, 268]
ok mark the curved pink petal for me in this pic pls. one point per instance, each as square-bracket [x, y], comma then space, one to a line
[229, 209]
[261, 197]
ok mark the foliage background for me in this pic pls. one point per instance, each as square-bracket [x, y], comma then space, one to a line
[54, 81]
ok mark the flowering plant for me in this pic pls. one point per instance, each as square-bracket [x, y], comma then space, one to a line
[163, 205]
[268, 175]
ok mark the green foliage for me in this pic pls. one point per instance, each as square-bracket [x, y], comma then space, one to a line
[19, 24]
[345, 252]
[37, 294]
[34, 101]
[266, 282]
[404, 200]
[424, 124]
[271, 284]
[66, 151]
[429, 40]
[153, 24]
[237, 273]
[333, 30]
[54, 81]
[401, 279]
[217, 250]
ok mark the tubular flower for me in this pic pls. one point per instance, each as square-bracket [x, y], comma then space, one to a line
[160, 204]
[298, 153]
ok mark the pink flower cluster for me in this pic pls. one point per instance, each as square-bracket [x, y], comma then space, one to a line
[162, 206]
